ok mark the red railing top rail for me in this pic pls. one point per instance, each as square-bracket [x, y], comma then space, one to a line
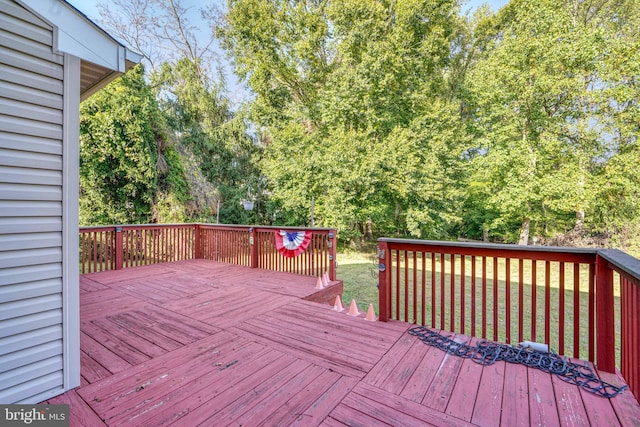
[544, 253]
[491, 246]
[623, 263]
[269, 227]
[225, 226]
[98, 228]
[127, 226]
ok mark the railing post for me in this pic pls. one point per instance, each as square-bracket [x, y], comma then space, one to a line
[197, 243]
[332, 254]
[253, 247]
[605, 326]
[384, 267]
[119, 249]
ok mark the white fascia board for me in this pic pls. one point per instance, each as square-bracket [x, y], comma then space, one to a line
[79, 36]
[133, 57]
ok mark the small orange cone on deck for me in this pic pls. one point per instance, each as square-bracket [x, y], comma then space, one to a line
[337, 306]
[319, 283]
[353, 309]
[371, 314]
[326, 278]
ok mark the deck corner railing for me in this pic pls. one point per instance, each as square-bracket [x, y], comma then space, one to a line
[121, 246]
[255, 246]
[583, 303]
[618, 265]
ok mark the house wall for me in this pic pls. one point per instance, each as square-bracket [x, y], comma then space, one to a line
[39, 346]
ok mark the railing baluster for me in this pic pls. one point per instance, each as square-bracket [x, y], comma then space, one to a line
[484, 297]
[82, 252]
[547, 303]
[561, 311]
[576, 310]
[462, 293]
[624, 327]
[415, 287]
[452, 291]
[442, 289]
[507, 290]
[534, 299]
[520, 300]
[397, 284]
[94, 243]
[592, 312]
[313, 244]
[433, 289]
[473, 295]
[406, 286]
[175, 250]
[495, 299]
[176, 243]
[98, 249]
[424, 287]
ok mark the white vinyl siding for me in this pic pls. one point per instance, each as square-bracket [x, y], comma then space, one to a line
[31, 208]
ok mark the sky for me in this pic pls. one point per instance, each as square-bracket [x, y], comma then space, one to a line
[238, 93]
[90, 8]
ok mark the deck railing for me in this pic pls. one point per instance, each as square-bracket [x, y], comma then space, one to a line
[583, 303]
[256, 247]
[122, 246]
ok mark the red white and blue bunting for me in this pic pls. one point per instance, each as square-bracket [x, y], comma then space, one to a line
[292, 243]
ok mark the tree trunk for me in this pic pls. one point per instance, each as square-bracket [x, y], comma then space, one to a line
[579, 221]
[524, 232]
[369, 230]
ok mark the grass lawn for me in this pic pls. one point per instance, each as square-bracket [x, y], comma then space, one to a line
[360, 276]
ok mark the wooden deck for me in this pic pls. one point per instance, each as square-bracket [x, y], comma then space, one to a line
[204, 343]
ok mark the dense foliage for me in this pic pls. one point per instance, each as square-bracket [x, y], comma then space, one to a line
[395, 117]
[120, 128]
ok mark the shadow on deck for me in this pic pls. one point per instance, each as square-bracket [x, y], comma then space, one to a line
[203, 343]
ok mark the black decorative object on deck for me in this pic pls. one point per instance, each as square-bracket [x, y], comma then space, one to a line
[487, 353]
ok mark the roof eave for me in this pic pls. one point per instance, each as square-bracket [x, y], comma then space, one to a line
[77, 35]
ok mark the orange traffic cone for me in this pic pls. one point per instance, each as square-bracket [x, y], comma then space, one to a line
[319, 283]
[326, 278]
[324, 281]
[337, 306]
[353, 309]
[371, 314]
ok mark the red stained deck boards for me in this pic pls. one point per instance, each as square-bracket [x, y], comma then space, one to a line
[204, 343]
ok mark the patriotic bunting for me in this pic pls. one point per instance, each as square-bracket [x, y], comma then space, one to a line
[292, 243]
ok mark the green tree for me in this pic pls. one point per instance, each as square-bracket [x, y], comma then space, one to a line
[120, 128]
[214, 136]
[209, 142]
[617, 201]
[340, 88]
[540, 133]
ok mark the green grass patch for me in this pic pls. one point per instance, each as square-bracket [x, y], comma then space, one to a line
[360, 276]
